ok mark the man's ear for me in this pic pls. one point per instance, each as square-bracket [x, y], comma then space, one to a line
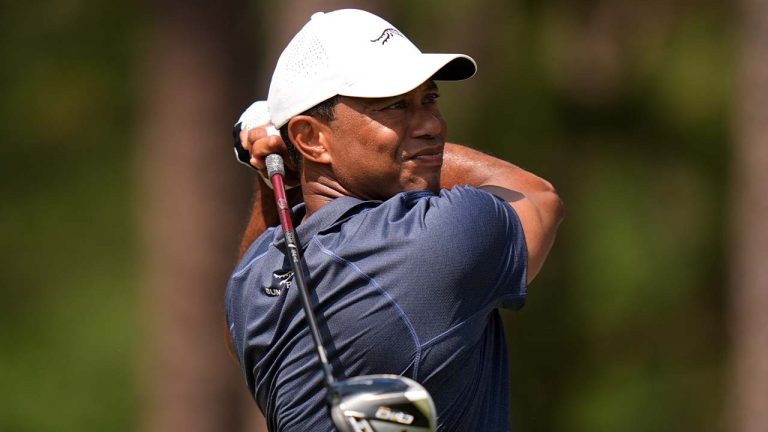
[310, 137]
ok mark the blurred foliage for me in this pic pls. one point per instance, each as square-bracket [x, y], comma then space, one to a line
[67, 323]
[624, 106]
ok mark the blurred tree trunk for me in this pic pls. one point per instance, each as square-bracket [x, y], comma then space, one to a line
[193, 211]
[749, 291]
[197, 81]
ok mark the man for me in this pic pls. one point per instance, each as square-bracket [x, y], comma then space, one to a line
[411, 243]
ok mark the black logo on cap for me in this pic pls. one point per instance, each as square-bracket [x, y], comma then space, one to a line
[387, 35]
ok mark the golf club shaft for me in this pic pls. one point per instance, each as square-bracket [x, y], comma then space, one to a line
[276, 170]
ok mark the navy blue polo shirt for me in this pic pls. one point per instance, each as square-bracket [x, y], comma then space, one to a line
[408, 286]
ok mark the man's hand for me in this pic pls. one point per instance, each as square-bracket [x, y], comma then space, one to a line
[257, 139]
[259, 143]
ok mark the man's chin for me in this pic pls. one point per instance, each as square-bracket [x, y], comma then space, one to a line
[431, 185]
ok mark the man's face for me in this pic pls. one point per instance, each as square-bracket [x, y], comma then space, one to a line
[381, 147]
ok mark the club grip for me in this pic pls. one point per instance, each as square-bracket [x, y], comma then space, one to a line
[274, 164]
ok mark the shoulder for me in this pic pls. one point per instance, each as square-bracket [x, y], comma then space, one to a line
[463, 213]
[422, 221]
[468, 199]
[257, 249]
[457, 200]
[462, 208]
[237, 286]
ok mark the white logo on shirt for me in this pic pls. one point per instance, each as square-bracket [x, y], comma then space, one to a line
[284, 281]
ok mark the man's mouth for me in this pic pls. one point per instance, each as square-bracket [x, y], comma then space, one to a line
[428, 155]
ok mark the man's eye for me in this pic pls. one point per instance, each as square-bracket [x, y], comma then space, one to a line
[396, 106]
[431, 98]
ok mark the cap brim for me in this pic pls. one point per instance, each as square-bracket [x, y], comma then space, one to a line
[459, 68]
[396, 79]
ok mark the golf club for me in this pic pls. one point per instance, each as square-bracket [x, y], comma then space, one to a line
[370, 403]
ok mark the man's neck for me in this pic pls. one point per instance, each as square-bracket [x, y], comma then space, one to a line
[319, 187]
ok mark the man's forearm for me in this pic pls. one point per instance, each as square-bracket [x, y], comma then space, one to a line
[465, 166]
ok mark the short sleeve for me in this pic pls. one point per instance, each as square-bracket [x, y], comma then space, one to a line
[480, 241]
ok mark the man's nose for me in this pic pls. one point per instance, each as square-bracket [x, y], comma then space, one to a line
[428, 122]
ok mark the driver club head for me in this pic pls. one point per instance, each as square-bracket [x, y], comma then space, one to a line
[382, 403]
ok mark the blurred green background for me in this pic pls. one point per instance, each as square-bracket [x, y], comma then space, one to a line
[626, 106]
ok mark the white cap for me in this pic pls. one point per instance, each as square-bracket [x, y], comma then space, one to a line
[351, 52]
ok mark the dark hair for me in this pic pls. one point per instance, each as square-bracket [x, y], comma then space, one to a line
[324, 111]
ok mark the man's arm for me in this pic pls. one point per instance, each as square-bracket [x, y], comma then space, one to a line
[264, 210]
[534, 199]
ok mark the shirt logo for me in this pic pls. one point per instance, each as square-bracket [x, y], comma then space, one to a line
[282, 280]
[387, 35]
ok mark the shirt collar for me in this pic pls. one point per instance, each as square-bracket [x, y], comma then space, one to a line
[328, 215]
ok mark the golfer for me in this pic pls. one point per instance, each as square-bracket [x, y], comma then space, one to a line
[411, 244]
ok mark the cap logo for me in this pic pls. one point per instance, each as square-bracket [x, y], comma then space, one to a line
[387, 35]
